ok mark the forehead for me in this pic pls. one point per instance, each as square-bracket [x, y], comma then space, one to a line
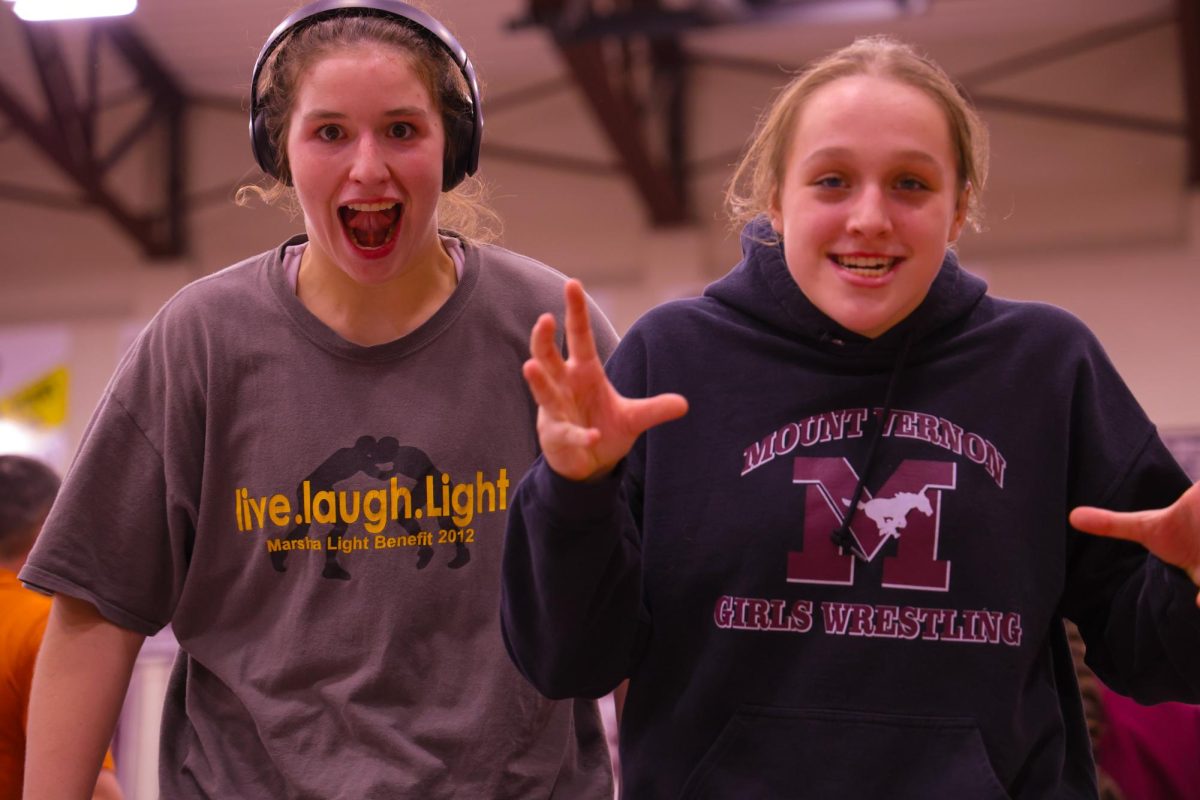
[361, 72]
[870, 114]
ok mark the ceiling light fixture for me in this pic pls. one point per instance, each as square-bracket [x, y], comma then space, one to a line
[51, 10]
[18, 439]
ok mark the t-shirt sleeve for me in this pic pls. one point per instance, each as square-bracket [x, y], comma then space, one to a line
[120, 533]
[603, 331]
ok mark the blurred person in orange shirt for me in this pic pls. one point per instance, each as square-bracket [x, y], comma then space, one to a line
[27, 489]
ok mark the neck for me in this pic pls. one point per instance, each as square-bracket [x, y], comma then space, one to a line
[376, 314]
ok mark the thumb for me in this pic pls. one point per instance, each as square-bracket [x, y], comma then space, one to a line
[1133, 526]
[645, 413]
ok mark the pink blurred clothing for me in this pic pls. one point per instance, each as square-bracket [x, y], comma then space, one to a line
[1152, 752]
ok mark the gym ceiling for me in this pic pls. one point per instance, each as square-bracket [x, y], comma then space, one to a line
[655, 82]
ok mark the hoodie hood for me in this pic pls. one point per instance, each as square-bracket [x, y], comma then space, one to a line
[761, 287]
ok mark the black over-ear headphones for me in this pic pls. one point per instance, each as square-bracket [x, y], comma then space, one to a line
[462, 144]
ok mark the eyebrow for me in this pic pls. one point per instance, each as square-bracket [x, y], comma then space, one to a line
[402, 111]
[843, 152]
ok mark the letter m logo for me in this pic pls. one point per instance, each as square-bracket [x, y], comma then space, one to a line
[906, 508]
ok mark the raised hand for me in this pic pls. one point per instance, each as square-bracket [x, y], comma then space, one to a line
[1172, 533]
[585, 427]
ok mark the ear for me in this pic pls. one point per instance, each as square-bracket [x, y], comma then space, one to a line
[960, 214]
[775, 211]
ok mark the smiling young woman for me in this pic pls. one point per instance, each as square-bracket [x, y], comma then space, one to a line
[304, 466]
[865, 210]
[818, 517]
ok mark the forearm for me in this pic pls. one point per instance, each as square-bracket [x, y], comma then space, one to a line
[571, 609]
[107, 787]
[1137, 612]
[1154, 637]
[79, 684]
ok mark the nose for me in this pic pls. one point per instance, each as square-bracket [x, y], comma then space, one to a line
[369, 165]
[869, 215]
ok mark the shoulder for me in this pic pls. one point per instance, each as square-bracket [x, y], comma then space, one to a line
[501, 265]
[1031, 311]
[201, 325]
[680, 317]
[230, 289]
[669, 340]
[1036, 323]
[515, 284]
[234, 301]
[1060, 348]
[522, 288]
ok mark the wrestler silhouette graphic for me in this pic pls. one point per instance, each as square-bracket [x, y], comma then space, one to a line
[381, 459]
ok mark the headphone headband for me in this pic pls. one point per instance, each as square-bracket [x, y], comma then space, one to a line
[462, 146]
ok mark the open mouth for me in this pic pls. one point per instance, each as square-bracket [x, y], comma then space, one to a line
[370, 225]
[867, 266]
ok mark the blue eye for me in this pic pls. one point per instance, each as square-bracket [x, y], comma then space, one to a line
[912, 184]
[830, 182]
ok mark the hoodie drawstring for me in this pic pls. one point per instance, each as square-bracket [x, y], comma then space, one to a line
[841, 536]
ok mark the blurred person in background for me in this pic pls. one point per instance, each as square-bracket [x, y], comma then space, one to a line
[1150, 752]
[27, 490]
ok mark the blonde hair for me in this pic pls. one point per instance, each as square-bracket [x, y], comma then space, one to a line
[759, 173]
[464, 208]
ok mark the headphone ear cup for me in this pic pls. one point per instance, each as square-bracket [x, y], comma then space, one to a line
[459, 135]
[460, 139]
[264, 152]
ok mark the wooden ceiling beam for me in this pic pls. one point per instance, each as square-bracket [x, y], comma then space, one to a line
[601, 68]
[1189, 42]
[65, 133]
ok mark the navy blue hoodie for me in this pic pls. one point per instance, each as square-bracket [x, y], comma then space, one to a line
[767, 661]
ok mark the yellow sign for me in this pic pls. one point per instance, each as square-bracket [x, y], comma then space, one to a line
[43, 402]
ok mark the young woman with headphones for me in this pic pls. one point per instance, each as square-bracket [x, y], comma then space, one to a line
[304, 467]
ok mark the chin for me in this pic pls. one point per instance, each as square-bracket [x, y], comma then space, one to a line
[869, 325]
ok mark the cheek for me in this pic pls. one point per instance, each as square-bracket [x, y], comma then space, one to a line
[311, 197]
[814, 224]
[299, 165]
[805, 260]
[937, 232]
[420, 169]
[935, 221]
[291, 149]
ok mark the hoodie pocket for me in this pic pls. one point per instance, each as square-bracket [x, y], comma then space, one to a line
[844, 755]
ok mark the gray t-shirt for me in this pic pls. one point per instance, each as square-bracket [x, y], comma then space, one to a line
[321, 523]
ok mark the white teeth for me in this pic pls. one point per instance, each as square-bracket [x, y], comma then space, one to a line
[369, 206]
[864, 263]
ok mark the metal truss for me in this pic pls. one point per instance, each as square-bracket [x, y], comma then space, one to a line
[636, 85]
[66, 132]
